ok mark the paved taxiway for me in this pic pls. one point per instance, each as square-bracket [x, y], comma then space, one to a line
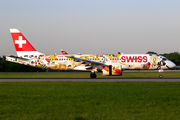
[93, 80]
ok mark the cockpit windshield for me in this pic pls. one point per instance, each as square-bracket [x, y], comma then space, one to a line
[164, 59]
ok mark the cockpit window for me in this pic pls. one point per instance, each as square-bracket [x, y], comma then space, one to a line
[164, 59]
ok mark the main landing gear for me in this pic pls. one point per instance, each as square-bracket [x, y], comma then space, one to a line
[93, 74]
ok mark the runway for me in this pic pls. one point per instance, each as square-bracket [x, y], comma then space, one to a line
[91, 80]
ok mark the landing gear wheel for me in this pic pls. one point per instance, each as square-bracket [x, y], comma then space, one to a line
[93, 75]
[160, 76]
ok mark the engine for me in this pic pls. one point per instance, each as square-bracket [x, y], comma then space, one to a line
[115, 69]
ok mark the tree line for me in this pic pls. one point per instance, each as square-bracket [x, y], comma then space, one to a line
[6, 66]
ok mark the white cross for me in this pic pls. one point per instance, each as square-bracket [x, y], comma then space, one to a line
[20, 41]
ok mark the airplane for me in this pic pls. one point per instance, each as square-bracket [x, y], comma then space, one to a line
[109, 64]
[64, 52]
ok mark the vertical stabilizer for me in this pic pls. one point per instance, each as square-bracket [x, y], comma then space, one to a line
[64, 52]
[22, 45]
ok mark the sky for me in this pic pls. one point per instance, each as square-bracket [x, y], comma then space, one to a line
[92, 26]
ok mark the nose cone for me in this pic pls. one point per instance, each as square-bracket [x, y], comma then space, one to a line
[171, 64]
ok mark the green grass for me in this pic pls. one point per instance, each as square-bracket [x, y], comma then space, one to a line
[90, 100]
[86, 75]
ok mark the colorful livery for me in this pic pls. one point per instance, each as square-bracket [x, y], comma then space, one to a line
[109, 64]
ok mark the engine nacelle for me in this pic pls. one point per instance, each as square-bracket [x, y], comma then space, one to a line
[112, 70]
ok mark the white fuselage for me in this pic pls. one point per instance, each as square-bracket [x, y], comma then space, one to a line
[127, 61]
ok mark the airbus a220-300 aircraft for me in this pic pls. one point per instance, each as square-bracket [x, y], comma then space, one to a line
[109, 64]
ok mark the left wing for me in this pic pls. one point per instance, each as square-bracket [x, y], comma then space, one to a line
[86, 62]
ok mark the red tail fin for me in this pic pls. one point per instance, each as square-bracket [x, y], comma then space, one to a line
[20, 42]
[22, 45]
[64, 52]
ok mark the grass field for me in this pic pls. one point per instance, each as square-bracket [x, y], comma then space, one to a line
[86, 75]
[90, 100]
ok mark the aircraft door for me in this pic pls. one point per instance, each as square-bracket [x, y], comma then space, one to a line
[104, 59]
[161, 62]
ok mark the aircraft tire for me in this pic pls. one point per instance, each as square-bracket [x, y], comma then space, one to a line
[160, 76]
[93, 75]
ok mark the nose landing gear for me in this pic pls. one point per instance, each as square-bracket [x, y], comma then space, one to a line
[160, 71]
[160, 76]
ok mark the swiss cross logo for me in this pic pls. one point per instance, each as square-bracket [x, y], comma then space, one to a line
[20, 41]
